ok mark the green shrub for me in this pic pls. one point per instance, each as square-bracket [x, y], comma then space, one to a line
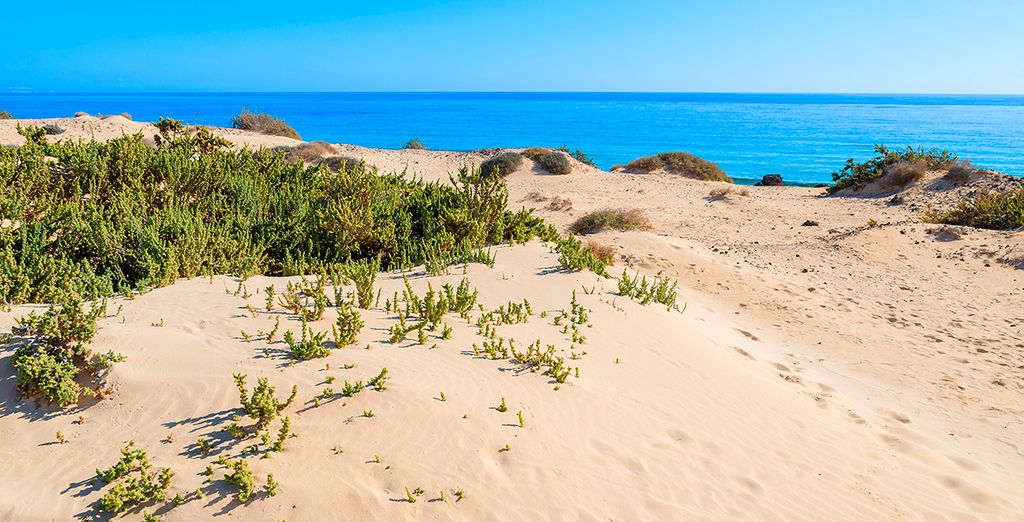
[662, 290]
[617, 219]
[104, 218]
[856, 176]
[54, 352]
[574, 256]
[240, 477]
[502, 165]
[310, 346]
[143, 486]
[992, 210]
[347, 326]
[681, 163]
[263, 123]
[534, 153]
[262, 405]
[579, 155]
[414, 144]
[555, 163]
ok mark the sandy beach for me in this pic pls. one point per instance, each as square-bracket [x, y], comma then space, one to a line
[868, 366]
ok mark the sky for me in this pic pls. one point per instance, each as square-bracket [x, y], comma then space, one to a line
[895, 46]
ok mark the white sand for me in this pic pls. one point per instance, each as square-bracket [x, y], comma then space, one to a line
[891, 390]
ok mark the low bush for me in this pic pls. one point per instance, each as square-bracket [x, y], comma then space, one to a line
[414, 144]
[311, 152]
[579, 155]
[681, 163]
[605, 253]
[721, 193]
[97, 219]
[961, 172]
[263, 123]
[905, 172]
[992, 210]
[53, 354]
[617, 219]
[261, 405]
[574, 256]
[662, 290]
[6, 115]
[140, 484]
[555, 163]
[502, 165]
[856, 176]
[534, 153]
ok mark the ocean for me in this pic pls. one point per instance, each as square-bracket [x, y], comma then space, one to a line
[804, 137]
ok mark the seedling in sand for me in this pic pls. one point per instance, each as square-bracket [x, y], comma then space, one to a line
[368, 413]
[380, 381]
[520, 415]
[502, 407]
[271, 487]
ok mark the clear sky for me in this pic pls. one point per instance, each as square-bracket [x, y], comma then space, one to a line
[894, 46]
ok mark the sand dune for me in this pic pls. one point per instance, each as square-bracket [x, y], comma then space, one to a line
[843, 371]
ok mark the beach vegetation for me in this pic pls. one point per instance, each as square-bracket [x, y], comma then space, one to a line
[610, 218]
[6, 115]
[575, 256]
[661, 290]
[502, 164]
[414, 144]
[579, 156]
[263, 123]
[261, 405]
[681, 163]
[908, 164]
[140, 485]
[984, 209]
[555, 162]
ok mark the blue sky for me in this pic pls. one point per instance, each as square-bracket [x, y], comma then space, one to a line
[904, 46]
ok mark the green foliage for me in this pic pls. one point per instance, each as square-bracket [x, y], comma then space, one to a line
[54, 353]
[262, 405]
[97, 219]
[380, 382]
[310, 346]
[240, 476]
[363, 273]
[271, 488]
[574, 256]
[555, 162]
[856, 176]
[681, 163]
[414, 144]
[992, 210]
[579, 155]
[263, 123]
[503, 407]
[282, 434]
[347, 326]
[502, 164]
[617, 219]
[662, 290]
[140, 485]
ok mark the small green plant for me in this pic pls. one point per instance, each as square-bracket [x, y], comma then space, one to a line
[140, 484]
[203, 445]
[856, 176]
[282, 434]
[459, 494]
[269, 291]
[240, 476]
[414, 144]
[380, 382]
[262, 405]
[310, 346]
[502, 407]
[348, 325]
[662, 290]
[271, 488]
[442, 397]
[985, 209]
[574, 256]
[409, 496]
[368, 413]
[522, 424]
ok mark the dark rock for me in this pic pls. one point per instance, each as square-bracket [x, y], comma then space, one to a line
[810, 223]
[896, 200]
[770, 180]
[52, 129]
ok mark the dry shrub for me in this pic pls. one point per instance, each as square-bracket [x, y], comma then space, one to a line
[560, 204]
[335, 163]
[535, 153]
[263, 123]
[961, 172]
[555, 163]
[605, 253]
[81, 114]
[681, 163]
[6, 115]
[617, 219]
[309, 152]
[503, 164]
[903, 173]
[721, 193]
[536, 196]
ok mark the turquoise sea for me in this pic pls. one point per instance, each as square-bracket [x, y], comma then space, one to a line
[804, 137]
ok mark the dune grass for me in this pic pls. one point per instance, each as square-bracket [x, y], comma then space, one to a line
[992, 210]
[263, 123]
[610, 218]
[680, 163]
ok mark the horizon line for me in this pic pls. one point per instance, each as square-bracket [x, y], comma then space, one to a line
[782, 93]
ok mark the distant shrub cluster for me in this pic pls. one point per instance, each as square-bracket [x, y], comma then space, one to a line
[94, 219]
[553, 161]
[502, 164]
[617, 219]
[681, 163]
[415, 144]
[997, 211]
[6, 115]
[579, 156]
[899, 166]
[263, 123]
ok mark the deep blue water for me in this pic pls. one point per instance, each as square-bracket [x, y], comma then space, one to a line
[802, 136]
